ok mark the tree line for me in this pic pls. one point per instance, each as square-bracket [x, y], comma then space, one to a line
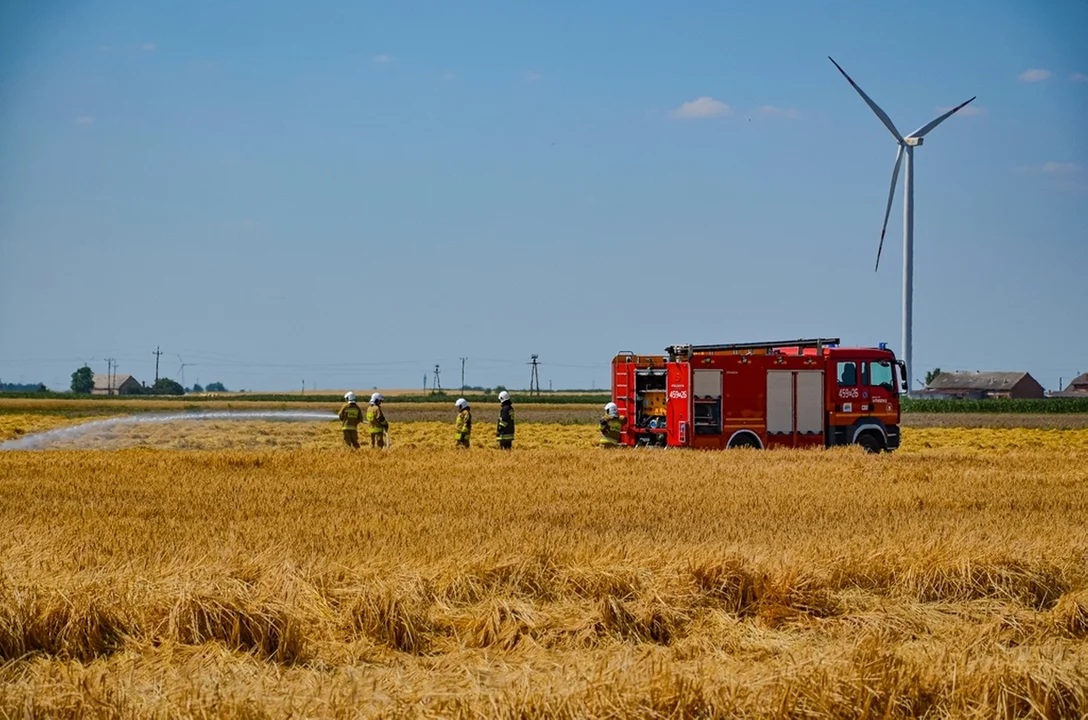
[83, 384]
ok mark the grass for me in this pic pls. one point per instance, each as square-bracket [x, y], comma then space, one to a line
[558, 580]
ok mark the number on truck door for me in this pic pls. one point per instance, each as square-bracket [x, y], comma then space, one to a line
[847, 375]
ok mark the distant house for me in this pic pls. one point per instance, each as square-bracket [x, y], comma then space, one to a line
[1078, 388]
[1078, 385]
[115, 385]
[980, 385]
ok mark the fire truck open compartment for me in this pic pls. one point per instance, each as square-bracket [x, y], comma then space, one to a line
[803, 393]
[651, 393]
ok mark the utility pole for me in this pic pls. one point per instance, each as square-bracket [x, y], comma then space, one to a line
[534, 379]
[463, 374]
[424, 383]
[436, 386]
[157, 353]
[304, 386]
[110, 365]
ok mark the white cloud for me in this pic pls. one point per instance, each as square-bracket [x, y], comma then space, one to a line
[1079, 77]
[1060, 167]
[1034, 75]
[775, 111]
[701, 107]
[971, 110]
[1053, 168]
[381, 59]
[148, 47]
[85, 120]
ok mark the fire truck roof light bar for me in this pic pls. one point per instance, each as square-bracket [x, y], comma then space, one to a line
[803, 343]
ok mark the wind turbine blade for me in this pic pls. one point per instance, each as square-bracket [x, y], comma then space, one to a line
[921, 132]
[868, 101]
[888, 210]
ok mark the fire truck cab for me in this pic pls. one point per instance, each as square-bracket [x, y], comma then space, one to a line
[802, 393]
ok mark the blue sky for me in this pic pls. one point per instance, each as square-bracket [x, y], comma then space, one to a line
[349, 193]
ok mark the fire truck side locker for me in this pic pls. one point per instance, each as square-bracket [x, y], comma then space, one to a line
[795, 407]
[679, 404]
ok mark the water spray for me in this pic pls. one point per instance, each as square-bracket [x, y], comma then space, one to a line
[42, 440]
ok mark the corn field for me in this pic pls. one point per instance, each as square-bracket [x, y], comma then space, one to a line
[261, 569]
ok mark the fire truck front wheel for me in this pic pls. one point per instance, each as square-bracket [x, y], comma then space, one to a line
[870, 442]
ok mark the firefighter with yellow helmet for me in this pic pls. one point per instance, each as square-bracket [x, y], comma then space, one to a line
[611, 426]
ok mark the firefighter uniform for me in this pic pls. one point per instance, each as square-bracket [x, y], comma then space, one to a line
[611, 428]
[505, 429]
[375, 418]
[350, 416]
[464, 426]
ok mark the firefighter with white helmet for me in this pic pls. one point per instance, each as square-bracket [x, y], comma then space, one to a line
[464, 423]
[611, 426]
[375, 418]
[350, 416]
[504, 431]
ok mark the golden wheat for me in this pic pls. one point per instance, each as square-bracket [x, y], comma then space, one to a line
[265, 570]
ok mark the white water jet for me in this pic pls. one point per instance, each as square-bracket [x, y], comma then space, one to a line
[42, 440]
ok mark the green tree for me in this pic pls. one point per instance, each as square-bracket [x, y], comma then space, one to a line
[216, 387]
[932, 374]
[197, 388]
[83, 381]
[166, 386]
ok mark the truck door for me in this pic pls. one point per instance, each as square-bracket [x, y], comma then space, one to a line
[679, 404]
[878, 387]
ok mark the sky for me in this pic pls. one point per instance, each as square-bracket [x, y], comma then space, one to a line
[346, 194]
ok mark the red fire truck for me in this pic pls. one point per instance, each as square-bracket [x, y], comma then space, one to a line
[803, 393]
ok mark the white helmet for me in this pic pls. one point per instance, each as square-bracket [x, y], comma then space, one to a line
[376, 398]
[461, 403]
[612, 410]
[349, 396]
[504, 396]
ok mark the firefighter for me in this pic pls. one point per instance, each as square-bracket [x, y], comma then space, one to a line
[505, 429]
[611, 426]
[375, 418]
[350, 416]
[464, 423]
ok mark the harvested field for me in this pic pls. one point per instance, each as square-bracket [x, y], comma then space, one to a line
[551, 581]
[225, 434]
[407, 412]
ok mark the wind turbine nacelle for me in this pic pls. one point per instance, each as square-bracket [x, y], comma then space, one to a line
[913, 141]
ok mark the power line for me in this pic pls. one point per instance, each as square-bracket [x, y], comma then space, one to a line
[534, 379]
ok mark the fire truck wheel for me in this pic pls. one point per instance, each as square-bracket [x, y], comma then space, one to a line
[744, 440]
[870, 442]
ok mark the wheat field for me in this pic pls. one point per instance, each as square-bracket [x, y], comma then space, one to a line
[260, 569]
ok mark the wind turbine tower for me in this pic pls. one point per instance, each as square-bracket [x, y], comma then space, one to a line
[907, 144]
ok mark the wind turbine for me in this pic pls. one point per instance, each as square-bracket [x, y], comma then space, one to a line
[906, 146]
[181, 369]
